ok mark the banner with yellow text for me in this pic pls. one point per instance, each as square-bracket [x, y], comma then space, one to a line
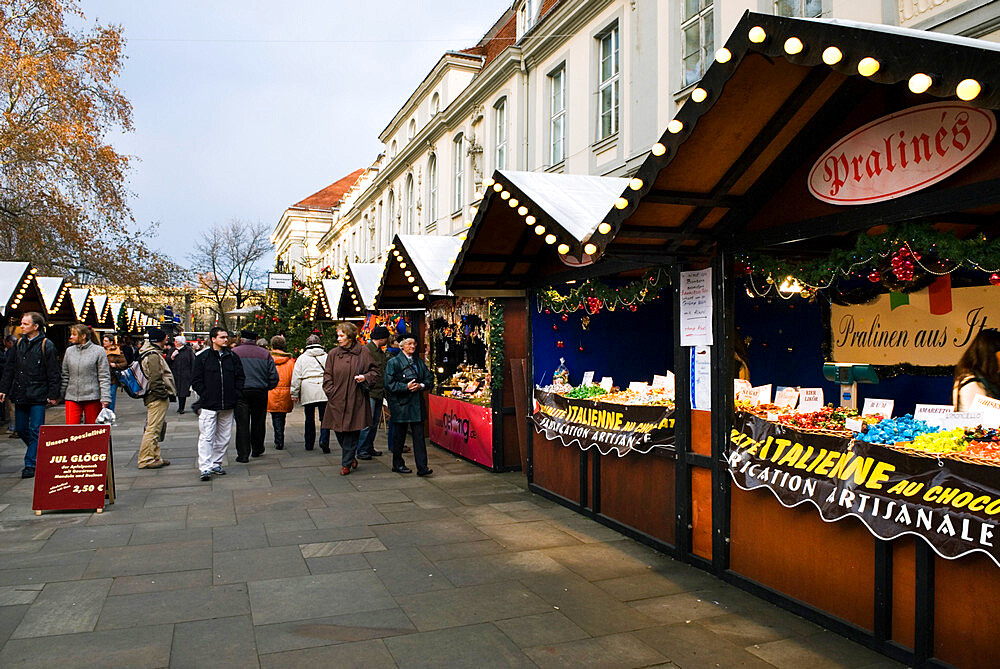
[952, 505]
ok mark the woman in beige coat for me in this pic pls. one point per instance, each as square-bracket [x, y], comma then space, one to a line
[350, 370]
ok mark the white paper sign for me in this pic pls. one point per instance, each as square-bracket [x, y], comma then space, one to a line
[810, 399]
[853, 424]
[877, 407]
[701, 377]
[772, 416]
[962, 419]
[787, 397]
[740, 387]
[762, 394]
[607, 382]
[588, 378]
[638, 386]
[660, 381]
[696, 308]
[984, 403]
[932, 414]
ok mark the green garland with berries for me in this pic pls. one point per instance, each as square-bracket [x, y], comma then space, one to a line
[928, 252]
[290, 318]
[594, 295]
[496, 347]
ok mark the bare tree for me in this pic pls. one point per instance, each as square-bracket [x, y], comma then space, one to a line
[225, 262]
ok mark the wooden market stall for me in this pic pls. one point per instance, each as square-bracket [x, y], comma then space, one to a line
[833, 159]
[19, 293]
[325, 298]
[529, 243]
[83, 305]
[361, 281]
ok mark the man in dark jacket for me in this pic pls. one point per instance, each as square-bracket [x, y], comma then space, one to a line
[406, 378]
[375, 346]
[32, 377]
[218, 379]
[182, 364]
[157, 398]
[251, 406]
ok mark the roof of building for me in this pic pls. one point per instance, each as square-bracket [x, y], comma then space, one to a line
[329, 197]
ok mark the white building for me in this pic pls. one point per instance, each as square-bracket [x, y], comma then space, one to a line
[575, 86]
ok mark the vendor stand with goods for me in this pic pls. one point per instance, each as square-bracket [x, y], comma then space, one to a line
[841, 180]
[596, 394]
[465, 346]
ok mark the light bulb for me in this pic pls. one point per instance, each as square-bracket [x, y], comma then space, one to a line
[757, 35]
[635, 183]
[920, 82]
[604, 228]
[968, 89]
[590, 249]
[621, 203]
[868, 66]
[658, 149]
[675, 127]
[793, 45]
[832, 55]
[416, 289]
[505, 195]
[489, 182]
[513, 203]
[550, 238]
[410, 279]
[497, 187]
[522, 210]
[563, 249]
[539, 229]
[420, 296]
[529, 220]
[699, 94]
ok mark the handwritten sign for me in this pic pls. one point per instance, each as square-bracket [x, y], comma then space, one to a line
[740, 388]
[854, 424]
[932, 414]
[961, 419]
[72, 467]
[989, 407]
[588, 378]
[701, 378]
[607, 383]
[877, 407]
[787, 397]
[696, 308]
[663, 381]
[762, 394]
[638, 386]
[810, 399]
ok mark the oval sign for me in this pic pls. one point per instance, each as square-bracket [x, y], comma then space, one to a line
[902, 153]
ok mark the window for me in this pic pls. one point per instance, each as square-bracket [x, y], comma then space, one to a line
[458, 169]
[392, 149]
[806, 8]
[435, 104]
[500, 134]
[526, 15]
[608, 84]
[390, 223]
[432, 190]
[557, 116]
[698, 39]
[411, 206]
[411, 131]
[380, 231]
[365, 234]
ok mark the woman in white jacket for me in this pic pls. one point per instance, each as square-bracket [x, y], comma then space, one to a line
[307, 388]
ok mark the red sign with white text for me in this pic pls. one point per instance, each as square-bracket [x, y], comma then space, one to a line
[72, 467]
[462, 428]
[902, 153]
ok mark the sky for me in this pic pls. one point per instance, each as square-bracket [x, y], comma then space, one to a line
[242, 108]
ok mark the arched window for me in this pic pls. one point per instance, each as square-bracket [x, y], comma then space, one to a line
[432, 191]
[500, 134]
[392, 149]
[411, 131]
[410, 215]
[365, 234]
[435, 104]
[458, 169]
[390, 218]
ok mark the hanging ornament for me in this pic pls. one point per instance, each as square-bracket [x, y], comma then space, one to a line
[559, 344]
[995, 279]
[565, 317]
[555, 328]
[874, 276]
[581, 349]
[585, 322]
[548, 311]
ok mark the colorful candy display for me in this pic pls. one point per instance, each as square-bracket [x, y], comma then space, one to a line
[895, 430]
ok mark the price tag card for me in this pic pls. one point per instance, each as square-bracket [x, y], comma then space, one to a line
[876, 407]
[740, 388]
[962, 419]
[772, 416]
[787, 397]
[984, 403]
[660, 381]
[588, 378]
[810, 399]
[932, 414]
[607, 383]
[762, 394]
[638, 386]
[72, 467]
[854, 424]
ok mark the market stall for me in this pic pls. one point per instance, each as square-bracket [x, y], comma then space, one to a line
[831, 191]
[598, 424]
[361, 281]
[102, 310]
[325, 298]
[18, 292]
[83, 306]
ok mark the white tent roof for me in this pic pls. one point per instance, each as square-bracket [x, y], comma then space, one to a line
[10, 280]
[243, 311]
[433, 256]
[367, 276]
[79, 297]
[116, 308]
[50, 287]
[100, 301]
[577, 202]
[331, 291]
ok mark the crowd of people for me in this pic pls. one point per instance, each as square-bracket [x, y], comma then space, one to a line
[239, 380]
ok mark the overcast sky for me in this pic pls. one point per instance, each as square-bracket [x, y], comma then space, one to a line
[243, 108]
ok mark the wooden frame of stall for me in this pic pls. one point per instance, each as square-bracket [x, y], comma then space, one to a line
[516, 249]
[729, 175]
[396, 291]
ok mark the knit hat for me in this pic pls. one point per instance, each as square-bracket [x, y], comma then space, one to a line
[156, 335]
[380, 332]
[313, 339]
[248, 334]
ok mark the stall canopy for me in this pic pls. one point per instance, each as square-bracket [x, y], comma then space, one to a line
[417, 271]
[522, 213]
[114, 311]
[102, 309]
[82, 305]
[18, 291]
[360, 286]
[325, 298]
[58, 304]
[733, 166]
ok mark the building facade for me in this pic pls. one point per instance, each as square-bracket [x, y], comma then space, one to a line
[574, 86]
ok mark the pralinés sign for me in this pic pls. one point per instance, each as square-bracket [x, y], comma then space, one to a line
[901, 153]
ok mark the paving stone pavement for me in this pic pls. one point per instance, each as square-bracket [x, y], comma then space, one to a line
[285, 563]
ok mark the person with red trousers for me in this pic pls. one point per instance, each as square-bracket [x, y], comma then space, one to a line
[86, 377]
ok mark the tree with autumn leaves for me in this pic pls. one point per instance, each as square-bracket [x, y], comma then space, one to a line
[63, 194]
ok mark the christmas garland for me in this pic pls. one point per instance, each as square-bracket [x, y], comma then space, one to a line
[895, 258]
[594, 295]
[495, 334]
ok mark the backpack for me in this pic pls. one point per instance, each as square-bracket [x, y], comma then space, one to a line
[133, 379]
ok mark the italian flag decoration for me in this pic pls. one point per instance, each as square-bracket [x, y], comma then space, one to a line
[938, 297]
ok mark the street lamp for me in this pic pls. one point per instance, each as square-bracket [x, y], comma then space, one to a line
[82, 276]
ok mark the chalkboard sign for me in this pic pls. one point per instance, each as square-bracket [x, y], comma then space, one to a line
[72, 467]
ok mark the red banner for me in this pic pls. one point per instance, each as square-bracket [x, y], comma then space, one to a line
[462, 428]
[72, 467]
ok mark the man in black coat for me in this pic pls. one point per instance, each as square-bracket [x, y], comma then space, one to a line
[218, 379]
[182, 366]
[251, 408]
[32, 377]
